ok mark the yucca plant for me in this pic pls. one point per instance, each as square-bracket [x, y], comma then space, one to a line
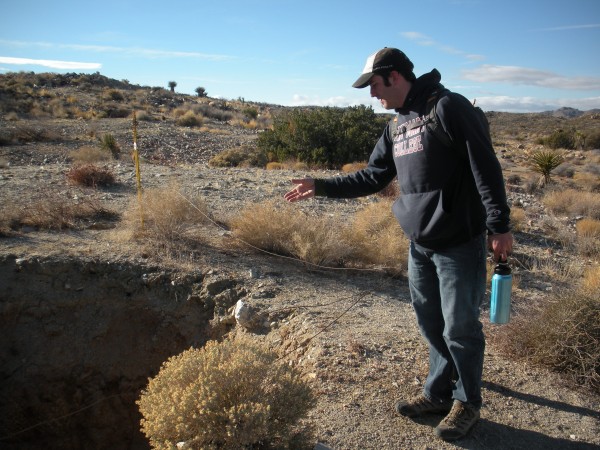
[108, 142]
[544, 162]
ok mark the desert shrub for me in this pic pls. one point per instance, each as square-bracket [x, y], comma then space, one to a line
[113, 111]
[109, 143]
[114, 95]
[593, 140]
[88, 155]
[573, 202]
[250, 112]
[55, 212]
[565, 170]
[233, 395]
[561, 139]
[588, 181]
[517, 218]
[329, 137]
[591, 280]
[168, 214]
[144, 116]
[544, 162]
[90, 175]
[563, 335]
[376, 237]
[353, 167]
[275, 166]
[190, 119]
[514, 179]
[588, 237]
[213, 112]
[282, 229]
[33, 134]
[243, 156]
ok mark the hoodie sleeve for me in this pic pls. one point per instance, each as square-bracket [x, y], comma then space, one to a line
[466, 129]
[380, 171]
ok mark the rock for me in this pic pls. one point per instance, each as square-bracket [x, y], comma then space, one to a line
[245, 315]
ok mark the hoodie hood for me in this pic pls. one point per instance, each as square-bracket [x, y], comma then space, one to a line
[421, 88]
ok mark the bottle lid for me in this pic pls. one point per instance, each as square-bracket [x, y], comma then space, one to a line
[502, 268]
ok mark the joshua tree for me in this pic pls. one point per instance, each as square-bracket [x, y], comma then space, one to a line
[201, 92]
[172, 85]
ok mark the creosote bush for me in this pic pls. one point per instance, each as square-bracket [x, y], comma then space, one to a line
[228, 395]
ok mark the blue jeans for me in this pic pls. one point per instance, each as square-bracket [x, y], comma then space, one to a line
[447, 288]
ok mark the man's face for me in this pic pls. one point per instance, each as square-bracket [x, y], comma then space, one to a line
[387, 95]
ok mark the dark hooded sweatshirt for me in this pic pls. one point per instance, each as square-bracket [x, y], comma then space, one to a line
[448, 194]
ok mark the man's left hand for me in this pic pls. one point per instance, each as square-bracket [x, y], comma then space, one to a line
[501, 245]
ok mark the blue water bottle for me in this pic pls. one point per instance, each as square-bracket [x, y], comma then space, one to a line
[500, 297]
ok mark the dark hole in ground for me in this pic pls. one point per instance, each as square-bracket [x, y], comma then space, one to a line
[78, 341]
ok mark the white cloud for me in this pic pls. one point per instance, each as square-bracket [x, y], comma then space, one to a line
[531, 77]
[426, 41]
[70, 65]
[533, 104]
[131, 51]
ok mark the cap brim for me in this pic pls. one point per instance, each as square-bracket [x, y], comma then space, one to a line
[363, 80]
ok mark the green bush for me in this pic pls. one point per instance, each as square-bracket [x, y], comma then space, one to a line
[592, 141]
[329, 137]
[232, 395]
[243, 156]
[561, 139]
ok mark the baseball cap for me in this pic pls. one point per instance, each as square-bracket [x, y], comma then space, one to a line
[384, 60]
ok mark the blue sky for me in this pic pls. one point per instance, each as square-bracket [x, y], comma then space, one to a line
[518, 56]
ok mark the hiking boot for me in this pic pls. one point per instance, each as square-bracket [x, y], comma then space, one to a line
[420, 405]
[458, 422]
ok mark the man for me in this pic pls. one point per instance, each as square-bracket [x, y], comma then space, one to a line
[452, 191]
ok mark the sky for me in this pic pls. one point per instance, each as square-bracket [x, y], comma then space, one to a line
[507, 55]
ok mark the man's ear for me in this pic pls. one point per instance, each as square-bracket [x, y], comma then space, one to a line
[394, 77]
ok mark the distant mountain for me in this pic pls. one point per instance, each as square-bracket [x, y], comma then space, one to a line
[569, 113]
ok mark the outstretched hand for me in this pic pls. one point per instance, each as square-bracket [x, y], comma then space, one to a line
[304, 188]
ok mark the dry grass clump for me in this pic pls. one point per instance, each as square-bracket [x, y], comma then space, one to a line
[190, 119]
[563, 335]
[591, 280]
[52, 212]
[233, 395]
[91, 175]
[376, 237]
[573, 202]
[372, 238]
[518, 219]
[587, 181]
[278, 227]
[167, 214]
[89, 155]
[588, 237]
